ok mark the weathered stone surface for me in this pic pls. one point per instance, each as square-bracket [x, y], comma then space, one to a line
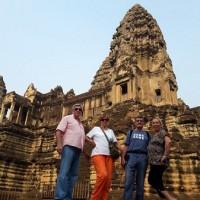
[135, 79]
[2, 90]
[139, 59]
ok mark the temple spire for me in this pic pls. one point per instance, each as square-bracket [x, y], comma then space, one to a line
[138, 50]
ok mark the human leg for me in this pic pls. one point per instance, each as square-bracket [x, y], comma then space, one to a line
[167, 195]
[140, 175]
[153, 179]
[129, 177]
[73, 174]
[161, 189]
[63, 180]
[99, 162]
[106, 189]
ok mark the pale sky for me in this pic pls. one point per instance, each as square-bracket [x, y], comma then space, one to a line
[64, 42]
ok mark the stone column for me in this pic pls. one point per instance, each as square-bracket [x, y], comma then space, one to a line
[114, 94]
[27, 117]
[133, 88]
[93, 106]
[86, 108]
[118, 93]
[19, 115]
[90, 106]
[3, 108]
[12, 107]
[130, 89]
[83, 104]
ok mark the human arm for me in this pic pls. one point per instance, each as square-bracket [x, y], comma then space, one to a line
[59, 142]
[114, 140]
[90, 141]
[166, 149]
[60, 130]
[86, 154]
[119, 147]
[126, 145]
[124, 152]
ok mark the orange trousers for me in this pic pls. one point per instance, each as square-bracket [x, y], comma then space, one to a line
[104, 169]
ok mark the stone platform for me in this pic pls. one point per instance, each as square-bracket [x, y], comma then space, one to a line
[178, 196]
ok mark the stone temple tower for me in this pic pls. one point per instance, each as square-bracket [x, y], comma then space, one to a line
[138, 66]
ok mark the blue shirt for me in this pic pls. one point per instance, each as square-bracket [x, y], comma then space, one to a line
[138, 140]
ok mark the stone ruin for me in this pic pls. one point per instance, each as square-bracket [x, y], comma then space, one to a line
[136, 78]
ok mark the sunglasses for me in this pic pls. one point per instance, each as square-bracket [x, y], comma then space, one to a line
[77, 109]
[139, 120]
[105, 119]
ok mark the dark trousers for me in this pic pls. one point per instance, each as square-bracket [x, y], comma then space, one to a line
[155, 178]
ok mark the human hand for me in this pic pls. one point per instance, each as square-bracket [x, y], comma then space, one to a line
[164, 159]
[123, 162]
[59, 149]
[87, 156]
[90, 142]
[93, 144]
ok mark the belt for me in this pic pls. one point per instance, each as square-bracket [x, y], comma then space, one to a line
[73, 147]
[137, 151]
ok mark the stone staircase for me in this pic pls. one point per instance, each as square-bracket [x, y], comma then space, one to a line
[28, 159]
[183, 175]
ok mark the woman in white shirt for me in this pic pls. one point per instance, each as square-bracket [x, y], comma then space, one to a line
[101, 158]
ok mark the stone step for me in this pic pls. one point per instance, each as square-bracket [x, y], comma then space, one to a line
[118, 195]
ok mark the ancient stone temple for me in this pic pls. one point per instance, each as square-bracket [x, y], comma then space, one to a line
[136, 78]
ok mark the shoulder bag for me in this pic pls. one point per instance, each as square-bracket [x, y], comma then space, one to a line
[113, 149]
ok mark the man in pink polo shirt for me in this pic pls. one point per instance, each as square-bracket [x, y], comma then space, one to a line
[70, 137]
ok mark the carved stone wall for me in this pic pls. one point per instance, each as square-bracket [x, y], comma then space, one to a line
[29, 159]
